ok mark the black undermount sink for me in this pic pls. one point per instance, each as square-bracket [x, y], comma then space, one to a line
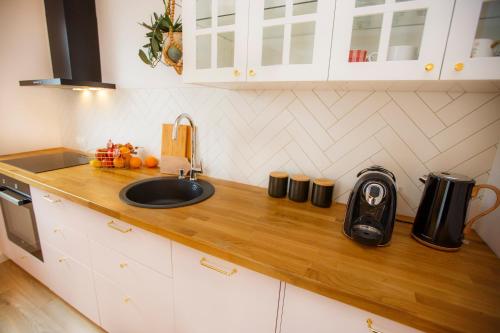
[166, 192]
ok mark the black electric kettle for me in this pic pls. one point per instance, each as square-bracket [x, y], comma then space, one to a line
[440, 220]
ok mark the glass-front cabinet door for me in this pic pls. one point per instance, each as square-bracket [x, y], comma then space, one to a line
[289, 40]
[215, 40]
[473, 50]
[389, 39]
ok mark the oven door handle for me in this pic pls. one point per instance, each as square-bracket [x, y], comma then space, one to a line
[13, 197]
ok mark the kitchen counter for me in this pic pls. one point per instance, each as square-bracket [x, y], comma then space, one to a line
[303, 245]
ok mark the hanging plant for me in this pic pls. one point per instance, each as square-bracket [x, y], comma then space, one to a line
[164, 39]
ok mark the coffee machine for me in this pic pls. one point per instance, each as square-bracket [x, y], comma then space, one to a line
[371, 209]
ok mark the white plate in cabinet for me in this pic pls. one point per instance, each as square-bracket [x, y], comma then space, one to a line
[143, 246]
[122, 312]
[289, 40]
[473, 19]
[403, 40]
[146, 287]
[304, 311]
[65, 239]
[212, 295]
[72, 281]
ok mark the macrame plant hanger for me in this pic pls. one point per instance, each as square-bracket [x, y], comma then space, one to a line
[174, 40]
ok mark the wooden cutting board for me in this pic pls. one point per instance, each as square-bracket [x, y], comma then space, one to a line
[180, 147]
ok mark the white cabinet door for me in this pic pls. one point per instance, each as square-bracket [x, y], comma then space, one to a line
[304, 311]
[473, 50]
[72, 281]
[215, 40]
[389, 39]
[289, 40]
[212, 295]
[136, 293]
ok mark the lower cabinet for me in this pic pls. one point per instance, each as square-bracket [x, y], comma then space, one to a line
[132, 297]
[304, 311]
[212, 295]
[72, 281]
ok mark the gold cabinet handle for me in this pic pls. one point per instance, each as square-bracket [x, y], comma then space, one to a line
[369, 323]
[459, 66]
[113, 225]
[429, 67]
[123, 265]
[251, 73]
[49, 199]
[23, 257]
[56, 230]
[63, 259]
[236, 73]
[204, 262]
[126, 300]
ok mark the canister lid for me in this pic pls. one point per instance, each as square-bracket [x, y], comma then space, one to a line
[453, 176]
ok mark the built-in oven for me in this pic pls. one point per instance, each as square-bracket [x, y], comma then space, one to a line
[18, 215]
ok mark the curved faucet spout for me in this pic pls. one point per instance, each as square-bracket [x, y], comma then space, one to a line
[195, 168]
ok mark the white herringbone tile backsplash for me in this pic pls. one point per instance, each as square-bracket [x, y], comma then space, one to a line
[243, 135]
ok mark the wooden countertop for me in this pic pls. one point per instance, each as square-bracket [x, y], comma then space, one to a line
[303, 245]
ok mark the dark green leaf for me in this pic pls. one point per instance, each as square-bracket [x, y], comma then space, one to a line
[144, 58]
[155, 46]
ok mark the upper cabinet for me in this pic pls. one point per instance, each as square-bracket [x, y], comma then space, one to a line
[289, 39]
[320, 40]
[215, 40]
[389, 39]
[473, 50]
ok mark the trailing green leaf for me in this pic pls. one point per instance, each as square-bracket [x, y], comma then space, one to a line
[144, 57]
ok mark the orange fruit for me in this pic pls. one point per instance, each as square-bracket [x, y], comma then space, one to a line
[135, 163]
[95, 163]
[119, 162]
[124, 151]
[151, 162]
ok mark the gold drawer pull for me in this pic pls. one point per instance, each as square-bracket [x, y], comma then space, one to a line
[204, 262]
[429, 67]
[56, 230]
[112, 225]
[123, 265]
[63, 259]
[252, 73]
[236, 73]
[49, 199]
[369, 323]
[126, 300]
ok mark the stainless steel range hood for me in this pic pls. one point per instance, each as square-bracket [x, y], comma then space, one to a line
[74, 46]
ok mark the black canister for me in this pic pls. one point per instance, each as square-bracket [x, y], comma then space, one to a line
[322, 192]
[440, 218]
[278, 184]
[299, 188]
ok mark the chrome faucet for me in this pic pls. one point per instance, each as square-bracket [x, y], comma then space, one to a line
[194, 168]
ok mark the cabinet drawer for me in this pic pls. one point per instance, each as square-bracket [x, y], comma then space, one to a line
[50, 208]
[144, 247]
[72, 281]
[136, 279]
[122, 312]
[304, 311]
[213, 295]
[26, 261]
[65, 239]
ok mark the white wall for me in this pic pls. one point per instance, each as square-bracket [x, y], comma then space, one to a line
[322, 132]
[29, 117]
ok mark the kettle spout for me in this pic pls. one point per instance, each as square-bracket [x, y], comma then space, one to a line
[423, 179]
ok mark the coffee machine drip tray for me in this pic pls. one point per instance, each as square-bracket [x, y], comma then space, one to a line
[48, 162]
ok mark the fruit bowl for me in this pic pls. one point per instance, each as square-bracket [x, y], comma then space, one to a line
[115, 155]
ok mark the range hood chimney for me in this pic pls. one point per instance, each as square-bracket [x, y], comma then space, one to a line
[74, 46]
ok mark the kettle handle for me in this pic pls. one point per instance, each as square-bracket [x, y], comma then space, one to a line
[475, 192]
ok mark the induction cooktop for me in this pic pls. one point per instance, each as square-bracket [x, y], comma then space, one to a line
[48, 162]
